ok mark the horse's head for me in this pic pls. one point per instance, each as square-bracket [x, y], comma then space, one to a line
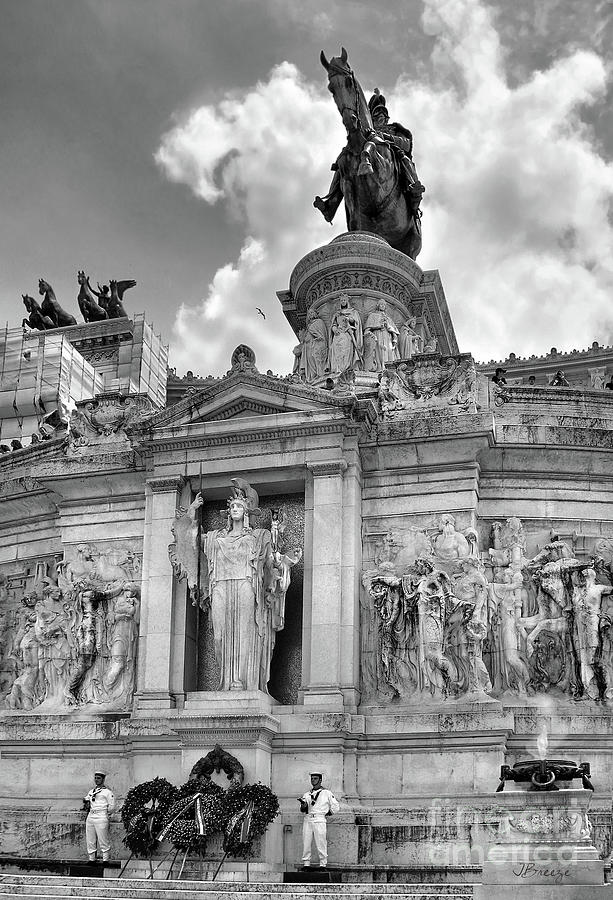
[113, 286]
[29, 302]
[81, 277]
[346, 91]
[43, 286]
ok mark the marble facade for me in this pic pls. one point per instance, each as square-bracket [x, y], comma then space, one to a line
[454, 594]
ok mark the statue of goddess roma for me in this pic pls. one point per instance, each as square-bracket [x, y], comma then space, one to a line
[242, 580]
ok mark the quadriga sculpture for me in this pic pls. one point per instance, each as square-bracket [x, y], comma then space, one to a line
[114, 305]
[90, 310]
[51, 308]
[35, 319]
[374, 173]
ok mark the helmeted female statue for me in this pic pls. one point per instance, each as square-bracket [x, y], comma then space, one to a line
[243, 581]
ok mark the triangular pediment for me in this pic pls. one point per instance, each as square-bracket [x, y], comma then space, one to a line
[245, 395]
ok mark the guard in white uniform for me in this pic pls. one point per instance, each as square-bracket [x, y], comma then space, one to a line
[317, 804]
[101, 802]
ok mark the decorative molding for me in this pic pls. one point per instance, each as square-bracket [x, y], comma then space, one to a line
[166, 483]
[331, 467]
[236, 731]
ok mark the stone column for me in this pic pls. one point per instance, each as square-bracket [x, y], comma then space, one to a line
[330, 662]
[157, 608]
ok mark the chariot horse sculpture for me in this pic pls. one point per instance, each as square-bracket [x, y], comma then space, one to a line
[374, 173]
[51, 308]
[36, 319]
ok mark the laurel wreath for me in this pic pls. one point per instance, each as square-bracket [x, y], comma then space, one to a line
[143, 813]
[184, 833]
[150, 808]
[265, 809]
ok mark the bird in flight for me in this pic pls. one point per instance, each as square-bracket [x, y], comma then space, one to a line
[260, 312]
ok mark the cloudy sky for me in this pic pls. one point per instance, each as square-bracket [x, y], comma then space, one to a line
[181, 142]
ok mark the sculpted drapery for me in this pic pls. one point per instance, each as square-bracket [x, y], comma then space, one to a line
[242, 581]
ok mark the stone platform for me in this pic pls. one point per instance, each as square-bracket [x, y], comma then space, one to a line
[40, 886]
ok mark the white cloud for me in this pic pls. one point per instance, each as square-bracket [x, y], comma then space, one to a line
[266, 154]
[516, 213]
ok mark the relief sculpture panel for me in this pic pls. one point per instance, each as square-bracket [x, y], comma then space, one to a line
[70, 630]
[444, 620]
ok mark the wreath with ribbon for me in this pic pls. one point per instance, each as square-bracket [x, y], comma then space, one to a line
[144, 810]
[197, 813]
[249, 811]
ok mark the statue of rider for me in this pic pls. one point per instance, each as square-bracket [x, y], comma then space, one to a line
[399, 139]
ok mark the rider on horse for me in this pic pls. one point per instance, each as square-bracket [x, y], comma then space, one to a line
[399, 139]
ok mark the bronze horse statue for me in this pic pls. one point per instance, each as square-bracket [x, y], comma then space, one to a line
[115, 305]
[90, 310]
[51, 308]
[370, 174]
[35, 319]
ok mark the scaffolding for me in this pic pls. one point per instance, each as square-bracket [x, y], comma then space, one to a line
[40, 373]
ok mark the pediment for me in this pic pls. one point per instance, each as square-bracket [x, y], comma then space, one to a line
[245, 395]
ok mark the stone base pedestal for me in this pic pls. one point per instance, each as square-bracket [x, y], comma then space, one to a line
[542, 839]
[227, 702]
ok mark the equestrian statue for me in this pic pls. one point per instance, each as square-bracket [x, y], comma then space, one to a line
[374, 173]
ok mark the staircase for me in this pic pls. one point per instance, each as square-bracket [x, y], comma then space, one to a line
[37, 887]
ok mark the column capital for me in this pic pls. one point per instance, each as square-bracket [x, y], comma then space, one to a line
[328, 467]
[166, 483]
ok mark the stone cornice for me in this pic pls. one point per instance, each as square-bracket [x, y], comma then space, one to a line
[242, 731]
[166, 483]
[282, 388]
[463, 741]
[167, 441]
[329, 467]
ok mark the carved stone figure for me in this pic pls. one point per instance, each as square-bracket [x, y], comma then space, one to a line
[471, 590]
[389, 402]
[409, 341]
[105, 420]
[52, 633]
[314, 347]
[450, 544]
[24, 692]
[298, 368]
[122, 622]
[586, 600]
[243, 582]
[76, 642]
[374, 173]
[380, 339]
[438, 674]
[346, 340]
[510, 670]
[435, 625]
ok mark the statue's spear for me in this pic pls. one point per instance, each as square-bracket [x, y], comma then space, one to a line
[199, 539]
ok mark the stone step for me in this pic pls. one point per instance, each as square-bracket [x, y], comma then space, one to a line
[74, 893]
[28, 887]
[254, 887]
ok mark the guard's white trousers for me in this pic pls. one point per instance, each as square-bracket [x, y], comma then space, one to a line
[314, 827]
[97, 832]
